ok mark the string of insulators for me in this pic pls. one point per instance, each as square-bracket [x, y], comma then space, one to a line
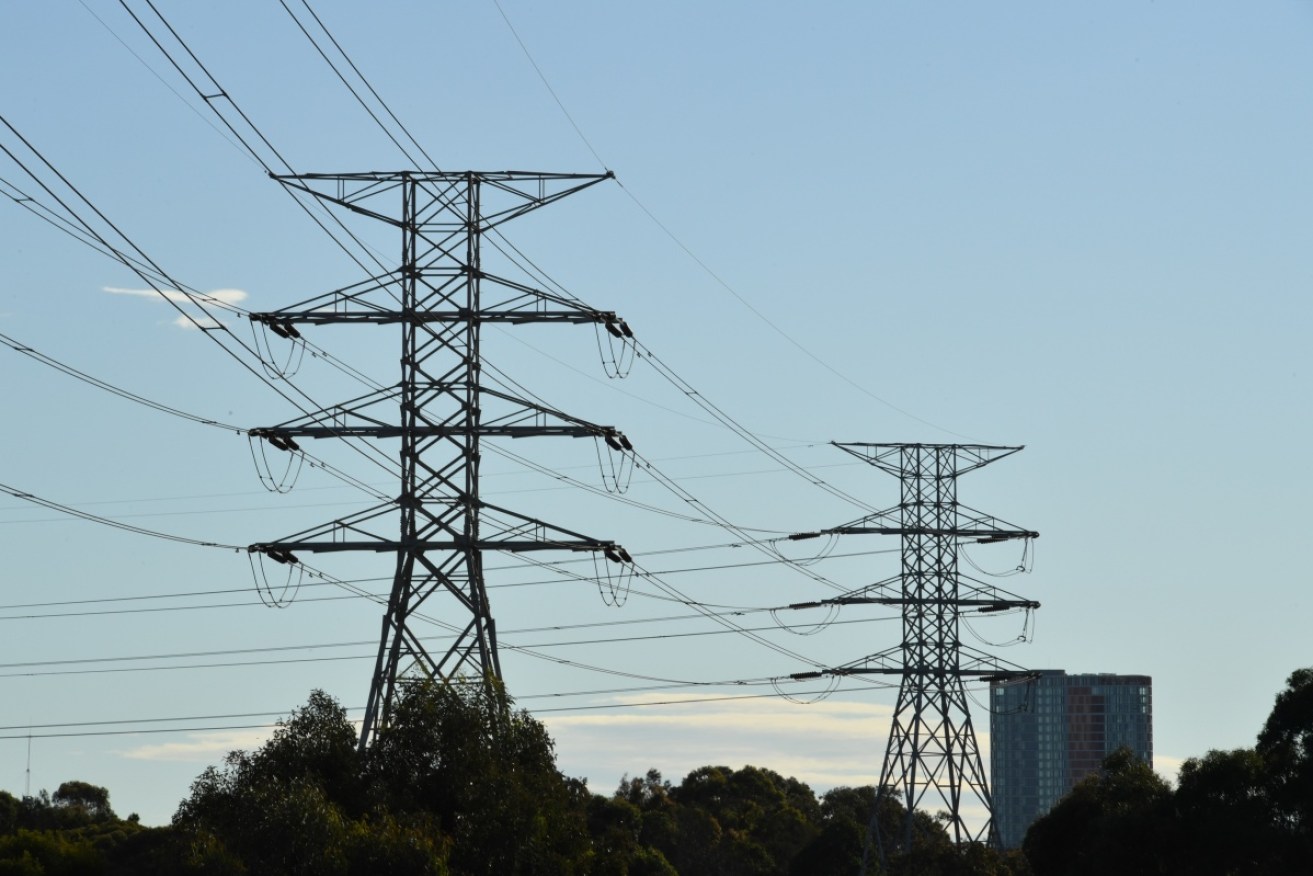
[278, 555]
[994, 539]
[282, 442]
[617, 327]
[617, 441]
[619, 555]
[283, 328]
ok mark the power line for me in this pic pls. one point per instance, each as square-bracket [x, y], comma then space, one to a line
[100, 665]
[105, 521]
[696, 259]
[374, 596]
[51, 362]
[151, 273]
[688, 701]
[733, 628]
[661, 367]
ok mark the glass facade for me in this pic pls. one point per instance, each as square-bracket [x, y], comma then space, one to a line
[1047, 736]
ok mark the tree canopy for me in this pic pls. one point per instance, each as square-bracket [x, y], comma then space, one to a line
[460, 782]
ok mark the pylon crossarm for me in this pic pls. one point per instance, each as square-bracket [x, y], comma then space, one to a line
[353, 304]
[538, 296]
[580, 427]
[521, 533]
[341, 419]
[461, 544]
[334, 530]
[496, 218]
[379, 316]
[984, 605]
[349, 204]
[966, 523]
[487, 431]
[980, 533]
[964, 457]
[988, 528]
[329, 303]
[972, 594]
[350, 189]
[350, 419]
[987, 667]
[553, 535]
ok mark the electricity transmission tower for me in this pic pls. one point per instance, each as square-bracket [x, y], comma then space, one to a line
[932, 758]
[440, 295]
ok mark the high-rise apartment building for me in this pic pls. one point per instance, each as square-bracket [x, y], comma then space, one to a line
[1048, 735]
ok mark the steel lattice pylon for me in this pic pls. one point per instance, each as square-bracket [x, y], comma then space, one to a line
[440, 295]
[932, 758]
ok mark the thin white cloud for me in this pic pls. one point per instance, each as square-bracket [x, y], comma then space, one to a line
[825, 744]
[208, 747]
[200, 322]
[222, 296]
[1168, 767]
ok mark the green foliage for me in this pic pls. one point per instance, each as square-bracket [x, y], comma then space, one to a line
[837, 848]
[485, 773]
[458, 781]
[297, 806]
[49, 853]
[748, 821]
[720, 820]
[1118, 820]
[10, 808]
[1286, 746]
[1226, 813]
[84, 799]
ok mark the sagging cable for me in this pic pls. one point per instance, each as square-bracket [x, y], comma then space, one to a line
[276, 596]
[267, 471]
[831, 542]
[615, 347]
[834, 610]
[614, 572]
[832, 683]
[617, 464]
[278, 367]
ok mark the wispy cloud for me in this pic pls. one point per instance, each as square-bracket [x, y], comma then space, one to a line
[200, 322]
[824, 744]
[222, 296]
[208, 747]
[1167, 767]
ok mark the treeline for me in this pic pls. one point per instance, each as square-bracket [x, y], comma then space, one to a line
[462, 783]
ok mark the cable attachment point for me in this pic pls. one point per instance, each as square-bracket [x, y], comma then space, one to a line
[275, 596]
[830, 687]
[271, 478]
[278, 367]
[612, 583]
[619, 353]
[617, 554]
[831, 542]
[617, 467]
[830, 616]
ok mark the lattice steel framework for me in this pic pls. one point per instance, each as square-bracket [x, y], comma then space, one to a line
[440, 295]
[932, 758]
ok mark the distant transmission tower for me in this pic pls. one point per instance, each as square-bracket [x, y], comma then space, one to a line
[932, 759]
[438, 527]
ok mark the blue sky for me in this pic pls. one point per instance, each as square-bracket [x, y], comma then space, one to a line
[1079, 228]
